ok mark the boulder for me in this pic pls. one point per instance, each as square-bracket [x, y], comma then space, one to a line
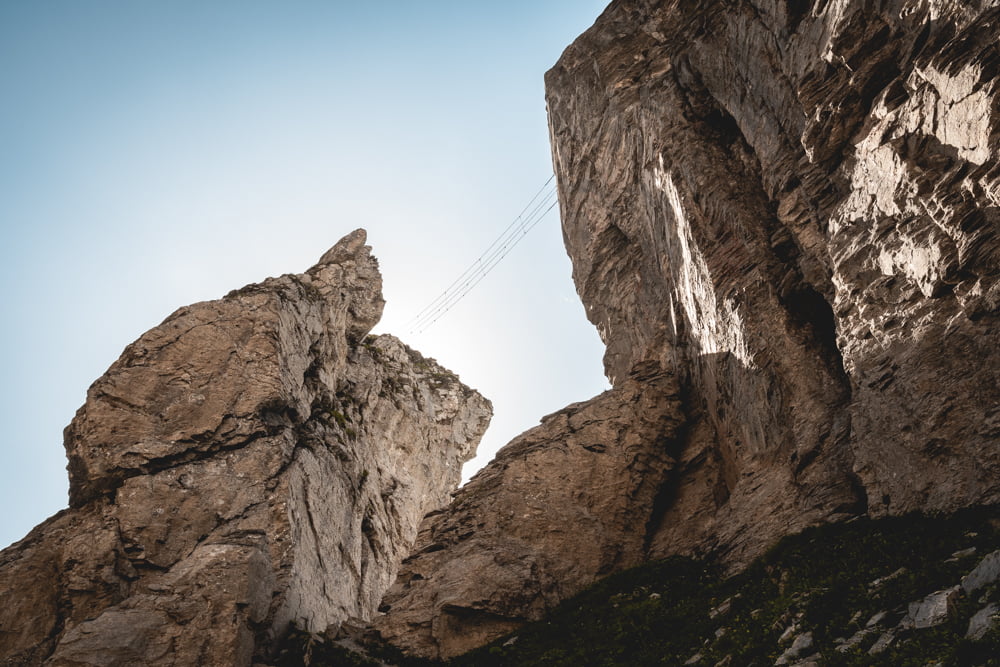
[934, 609]
[983, 621]
[984, 574]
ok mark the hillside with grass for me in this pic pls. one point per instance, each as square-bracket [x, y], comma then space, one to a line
[913, 590]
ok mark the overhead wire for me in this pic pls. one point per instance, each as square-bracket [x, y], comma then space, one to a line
[498, 255]
[487, 262]
[433, 304]
[533, 212]
[486, 272]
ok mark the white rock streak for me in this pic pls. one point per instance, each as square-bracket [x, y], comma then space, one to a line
[716, 327]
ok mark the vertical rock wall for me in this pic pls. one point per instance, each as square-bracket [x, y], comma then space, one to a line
[251, 462]
[808, 196]
[786, 212]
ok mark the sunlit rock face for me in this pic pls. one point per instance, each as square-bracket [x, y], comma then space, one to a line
[804, 201]
[252, 462]
[783, 222]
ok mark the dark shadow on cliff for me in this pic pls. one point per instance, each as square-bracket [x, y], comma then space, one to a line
[827, 582]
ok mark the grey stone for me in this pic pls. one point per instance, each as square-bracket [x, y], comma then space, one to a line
[788, 633]
[800, 645]
[724, 608]
[932, 610]
[882, 643]
[983, 621]
[963, 553]
[882, 581]
[855, 639]
[984, 574]
[876, 619]
[809, 661]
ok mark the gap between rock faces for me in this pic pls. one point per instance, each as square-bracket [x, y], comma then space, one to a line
[749, 198]
[268, 465]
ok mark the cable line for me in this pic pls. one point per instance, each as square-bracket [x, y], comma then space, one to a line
[459, 297]
[486, 263]
[534, 211]
[490, 262]
[433, 304]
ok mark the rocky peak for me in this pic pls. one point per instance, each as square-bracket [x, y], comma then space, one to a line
[196, 383]
[252, 462]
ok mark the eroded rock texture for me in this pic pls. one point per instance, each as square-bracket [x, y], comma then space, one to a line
[790, 209]
[251, 462]
[564, 503]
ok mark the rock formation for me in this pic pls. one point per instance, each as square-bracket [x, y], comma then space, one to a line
[252, 462]
[782, 218]
[566, 502]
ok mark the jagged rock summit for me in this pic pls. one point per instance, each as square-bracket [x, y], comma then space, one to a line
[250, 463]
[783, 220]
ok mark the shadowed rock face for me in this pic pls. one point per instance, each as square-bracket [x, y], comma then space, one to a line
[251, 462]
[790, 210]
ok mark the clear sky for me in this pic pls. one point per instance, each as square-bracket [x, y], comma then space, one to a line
[154, 154]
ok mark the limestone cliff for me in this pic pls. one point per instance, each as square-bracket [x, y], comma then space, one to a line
[251, 462]
[783, 220]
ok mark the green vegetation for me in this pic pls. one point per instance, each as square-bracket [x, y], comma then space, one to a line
[369, 344]
[339, 417]
[442, 379]
[301, 649]
[828, 581]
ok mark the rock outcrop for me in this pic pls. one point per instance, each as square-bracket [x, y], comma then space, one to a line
[252, 462]
[566, 502]
[783, 220]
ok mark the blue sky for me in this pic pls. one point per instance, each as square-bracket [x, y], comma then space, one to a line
[154, 154]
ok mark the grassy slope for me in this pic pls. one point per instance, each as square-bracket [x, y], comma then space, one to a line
[821, 581]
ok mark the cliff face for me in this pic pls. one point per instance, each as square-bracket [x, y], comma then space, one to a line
[808, 201]
[783, 222]
[251, 462]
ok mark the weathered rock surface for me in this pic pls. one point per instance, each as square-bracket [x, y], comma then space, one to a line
[932, 610]
[985, 573]
[251, 462]
[983, 621]
[791, 210]
[565, 503]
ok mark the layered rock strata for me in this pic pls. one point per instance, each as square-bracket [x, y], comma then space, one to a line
[791, 210]
[252, 462]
